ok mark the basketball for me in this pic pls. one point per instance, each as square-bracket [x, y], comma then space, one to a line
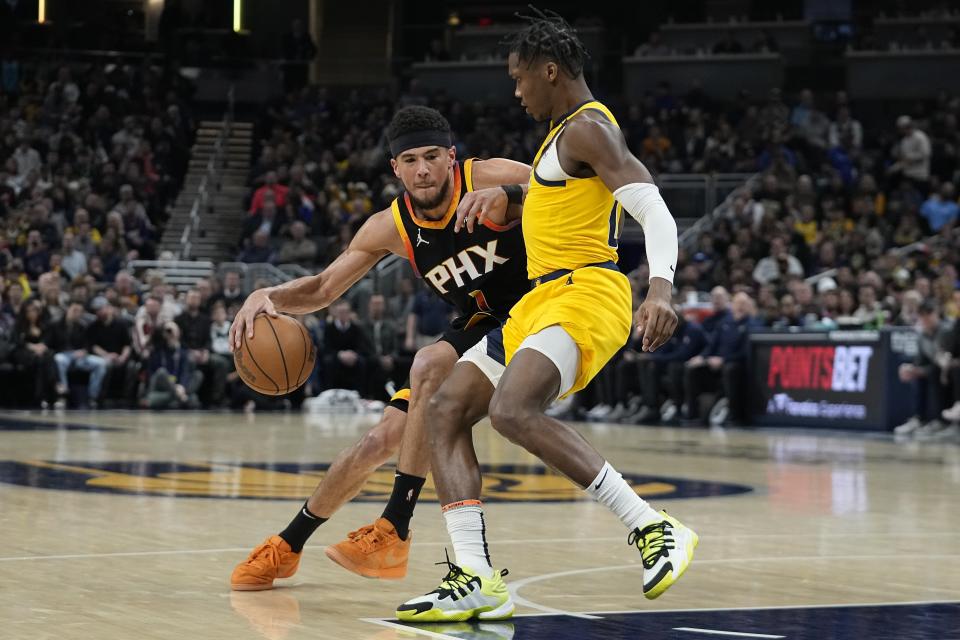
[278, 359]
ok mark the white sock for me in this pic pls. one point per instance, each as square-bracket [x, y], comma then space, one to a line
[612, 491]
[468, 532]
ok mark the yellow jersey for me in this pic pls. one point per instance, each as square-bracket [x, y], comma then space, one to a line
[572, 222]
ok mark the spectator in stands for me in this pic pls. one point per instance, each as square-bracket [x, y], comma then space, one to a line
[941, 208]
[71, 343]
[266, 220]
[40, 221]
[270, 185]
[74, 261]
[871, 311]
[138, 231]
[258, 251]
[109, 338]
[220, 338]
[950, 363]
[232, 292]
[722, 363]
[925, 374]
[667, 365]
[810, 123]
[146, 323]
[428, 318]
[173, 380]
[384, 337]
[912, 155]
[87, 236]
[778, 265]
[26, 158]
[36, 258]
[13, 298]
[346, 350]
[790, 314]
[128, 292]
[298, 248]
[400, 304]
[54, 299]
[194, 326]
[720, 299]
[32, 334]
[845, 131]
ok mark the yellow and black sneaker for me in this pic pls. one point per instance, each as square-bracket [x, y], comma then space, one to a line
[666, 548]
[462, 595]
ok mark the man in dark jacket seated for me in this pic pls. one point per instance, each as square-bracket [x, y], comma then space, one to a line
[172, 377]
[347, 350]
[722, 363]
[667, 364]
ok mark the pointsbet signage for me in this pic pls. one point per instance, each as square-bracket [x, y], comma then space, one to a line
[830, 379]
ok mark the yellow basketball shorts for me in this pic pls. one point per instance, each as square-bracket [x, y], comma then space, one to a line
[592, 304]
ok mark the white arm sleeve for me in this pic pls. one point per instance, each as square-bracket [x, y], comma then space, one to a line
[642, 201]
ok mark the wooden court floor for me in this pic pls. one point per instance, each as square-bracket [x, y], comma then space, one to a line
[128, 524]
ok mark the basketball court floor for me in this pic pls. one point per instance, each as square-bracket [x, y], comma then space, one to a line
[128, 524]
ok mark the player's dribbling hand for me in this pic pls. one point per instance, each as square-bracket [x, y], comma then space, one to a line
[256, 303]
[656, 319]
[483, 204]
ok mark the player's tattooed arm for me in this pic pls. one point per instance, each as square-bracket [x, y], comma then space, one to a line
[489, 200]
[376, 238]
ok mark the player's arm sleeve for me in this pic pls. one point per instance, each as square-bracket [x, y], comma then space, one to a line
[642, 200]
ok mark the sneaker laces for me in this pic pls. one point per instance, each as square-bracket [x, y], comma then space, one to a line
[266, 552]
[455, 579]
[653, 541]
[360, 533]
[368, 538]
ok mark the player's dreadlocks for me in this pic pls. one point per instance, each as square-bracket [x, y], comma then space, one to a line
[548, 35]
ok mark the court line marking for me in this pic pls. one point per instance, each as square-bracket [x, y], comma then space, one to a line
[516, 541]
[433, 634]
[717, 632]
[515, 586]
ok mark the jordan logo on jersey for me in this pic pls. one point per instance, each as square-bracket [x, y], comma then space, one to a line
[463, 262]
[420, 239]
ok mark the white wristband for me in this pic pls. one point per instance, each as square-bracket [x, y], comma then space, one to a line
[642, 200]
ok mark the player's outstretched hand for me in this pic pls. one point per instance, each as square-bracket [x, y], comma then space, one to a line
[483, 204]
[256, 303]
[656, 320]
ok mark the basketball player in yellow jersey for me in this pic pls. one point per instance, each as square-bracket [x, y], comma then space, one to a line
[562, 332]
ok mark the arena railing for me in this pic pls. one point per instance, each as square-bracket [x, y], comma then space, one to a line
[688, 237]
[211, 179]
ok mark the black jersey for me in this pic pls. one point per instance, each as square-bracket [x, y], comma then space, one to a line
[482, 274]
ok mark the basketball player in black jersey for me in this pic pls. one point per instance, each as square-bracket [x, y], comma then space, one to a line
[481, 274]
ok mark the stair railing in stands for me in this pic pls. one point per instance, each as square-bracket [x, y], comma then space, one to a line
[211, 179]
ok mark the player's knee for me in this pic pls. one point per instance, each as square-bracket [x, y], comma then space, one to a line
[510, 420]
[430, 366]
[448, 412]
[381, 442]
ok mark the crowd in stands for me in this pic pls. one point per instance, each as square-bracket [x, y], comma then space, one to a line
[86, 181]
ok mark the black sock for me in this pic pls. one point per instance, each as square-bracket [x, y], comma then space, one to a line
[406, 490]
[301, 528]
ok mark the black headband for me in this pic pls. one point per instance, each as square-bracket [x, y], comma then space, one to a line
[415, 139]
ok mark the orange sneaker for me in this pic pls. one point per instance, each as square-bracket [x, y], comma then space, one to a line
[373, 551]
[271, 560]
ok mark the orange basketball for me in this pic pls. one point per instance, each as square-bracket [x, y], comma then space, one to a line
[278, 359]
